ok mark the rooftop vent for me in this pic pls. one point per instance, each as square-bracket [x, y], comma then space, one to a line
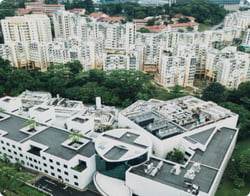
[148, 168]
[176, 170]
[196, 167]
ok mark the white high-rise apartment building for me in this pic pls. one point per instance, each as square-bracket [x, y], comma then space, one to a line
[246, 37]
[26, 28]
[19, 54]
[177, 70]
[115, 36]
[65, 24]
[114, 61]
[130, 34]
[5, 52]
[38, 55]
[228, 67]
[232, 69]
[239, 19]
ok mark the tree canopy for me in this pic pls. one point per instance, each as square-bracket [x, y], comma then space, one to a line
[175, 155]
[116, 87]
[214, 92]
[204, 11]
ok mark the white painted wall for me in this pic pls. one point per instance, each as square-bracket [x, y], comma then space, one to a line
[12, 105]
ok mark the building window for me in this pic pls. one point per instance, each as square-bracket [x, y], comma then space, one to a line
[53, 174]
[46, 171]
[76, 177]
[2, 142]
[13, 146]
[57, 163]
[66, 179]
[51, 167]
[4, 148]
[44, 158]
[50, 160]
[65, 166]
[8, 144]
[76, 183]
[45, 164]
[66, 173]
[19, 148]
[36, 167]
[15, 153]
[30, 158]
[35, 160]
[9, 150]
[58, 170]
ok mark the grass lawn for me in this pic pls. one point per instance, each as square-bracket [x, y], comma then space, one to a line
[226, 188]
[203, 27]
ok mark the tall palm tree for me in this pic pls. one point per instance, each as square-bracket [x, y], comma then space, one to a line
[75, 136]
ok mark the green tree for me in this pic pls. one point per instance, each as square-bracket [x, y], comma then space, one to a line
[19, 80]
[175, 155]
[244, 118]
[214, 92]
[190, 28]
[31, 124]
[75, 66]
[241, 48]
[18, 166]
[151, 22]
[183, 20]
[144, 30]
[51, 1]
[6, 158]
[75, 136]
[244, 163]
[89, 6]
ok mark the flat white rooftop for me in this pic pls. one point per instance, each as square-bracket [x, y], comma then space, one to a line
[168, 118]
[122, 144]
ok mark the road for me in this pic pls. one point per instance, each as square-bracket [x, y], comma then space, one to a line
[59, 189]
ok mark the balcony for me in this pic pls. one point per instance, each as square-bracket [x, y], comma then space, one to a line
[80, 167]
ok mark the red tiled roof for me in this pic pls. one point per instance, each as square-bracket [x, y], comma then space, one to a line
[153, 29]
[140, 20]
[112, 19]
[34, 3]
[184, 24]
[37, 12]
[175, 19]
[165, 15]
[22, 11]
[53, 5]
[98, 14]
[190, 17]
[37, 9]
[76, 10]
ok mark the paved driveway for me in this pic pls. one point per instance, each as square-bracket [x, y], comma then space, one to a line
[59, 189]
